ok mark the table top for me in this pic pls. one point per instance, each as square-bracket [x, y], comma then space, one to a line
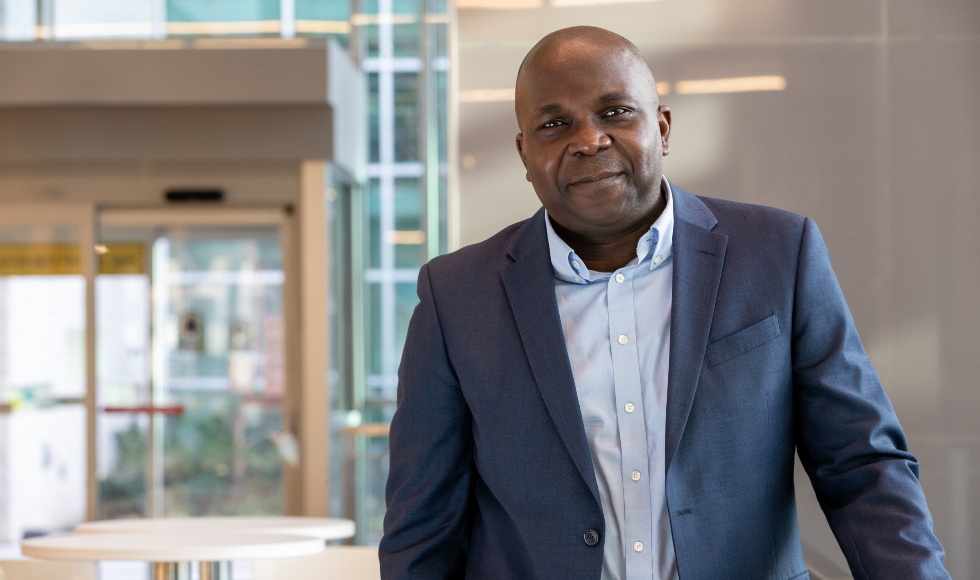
[322, 528]
[171, 547]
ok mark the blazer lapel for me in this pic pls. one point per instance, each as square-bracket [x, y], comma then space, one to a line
[529, 283]
[699, 255]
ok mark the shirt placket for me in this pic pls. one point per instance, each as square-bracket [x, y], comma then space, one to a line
[632, 426]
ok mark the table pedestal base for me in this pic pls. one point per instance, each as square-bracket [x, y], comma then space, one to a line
[170, 570]
[215, 570]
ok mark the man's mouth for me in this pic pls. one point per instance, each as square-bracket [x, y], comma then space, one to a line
[605, 175]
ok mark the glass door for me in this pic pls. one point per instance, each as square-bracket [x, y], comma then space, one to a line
[45, 256]
[191, 373]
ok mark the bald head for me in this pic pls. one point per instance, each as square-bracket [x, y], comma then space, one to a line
[577, 46]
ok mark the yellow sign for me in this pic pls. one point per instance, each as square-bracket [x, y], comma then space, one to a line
[63, 259]
[122, 259]
[39, 259]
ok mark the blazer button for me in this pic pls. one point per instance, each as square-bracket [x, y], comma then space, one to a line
[591, 537]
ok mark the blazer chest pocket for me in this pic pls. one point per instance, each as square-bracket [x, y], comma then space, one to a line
[742, 341]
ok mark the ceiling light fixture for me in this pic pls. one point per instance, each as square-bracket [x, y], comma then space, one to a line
[486, 96]
[730, 85]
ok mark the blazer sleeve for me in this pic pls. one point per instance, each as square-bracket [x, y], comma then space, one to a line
[430, 481]
[848, 436]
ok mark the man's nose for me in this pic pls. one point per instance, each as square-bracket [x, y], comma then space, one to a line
[588, 139]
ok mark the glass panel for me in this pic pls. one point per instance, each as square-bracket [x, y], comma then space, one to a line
[103, 19]
[371, 40]
[374, 121]
[442, 115]
[406, 298]
[222, 10]
[320, 10]
[406, 37]
[407, 117]
[42, 380]
[373, 224]
[122, 310]
[388, 237]
[191, 372]
[375, 342]
[409, 238]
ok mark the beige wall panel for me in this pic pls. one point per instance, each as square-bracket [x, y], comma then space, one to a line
[164, 133]
[137, 184]
[255, 76]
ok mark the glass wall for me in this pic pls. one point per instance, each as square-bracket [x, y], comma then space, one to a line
[397, 222]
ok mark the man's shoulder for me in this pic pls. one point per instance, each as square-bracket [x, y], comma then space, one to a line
[750, 218]
[479, 258]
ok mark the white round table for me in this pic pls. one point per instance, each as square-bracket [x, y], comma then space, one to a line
[171, 554]
[322, 528]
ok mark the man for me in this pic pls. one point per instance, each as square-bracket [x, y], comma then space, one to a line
[615, 388]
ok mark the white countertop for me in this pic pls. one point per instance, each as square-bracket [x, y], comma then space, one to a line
[321, 528]
[175, 546]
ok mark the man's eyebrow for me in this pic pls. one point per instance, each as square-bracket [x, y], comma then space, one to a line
[552, 109]
[615, 96]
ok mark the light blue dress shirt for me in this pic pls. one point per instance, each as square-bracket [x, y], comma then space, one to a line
[617, 332]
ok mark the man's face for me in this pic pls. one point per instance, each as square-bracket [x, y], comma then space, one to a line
[592, 137]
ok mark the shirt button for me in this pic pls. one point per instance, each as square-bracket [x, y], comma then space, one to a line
[623, 339]
[635, 476]
[638, 546]
[577, 279]
[657, 260]
[630, 408]
[575, 264]
[620, 278]
[591, 537]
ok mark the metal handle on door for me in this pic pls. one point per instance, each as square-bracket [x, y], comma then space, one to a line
[168, 410]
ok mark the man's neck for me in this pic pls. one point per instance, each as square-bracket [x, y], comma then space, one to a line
[611, 254]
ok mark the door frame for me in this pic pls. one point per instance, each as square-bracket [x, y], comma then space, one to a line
[282, 217]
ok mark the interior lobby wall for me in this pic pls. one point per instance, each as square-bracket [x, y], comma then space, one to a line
[874, 134]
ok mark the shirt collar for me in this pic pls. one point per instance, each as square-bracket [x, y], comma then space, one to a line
[570, 268]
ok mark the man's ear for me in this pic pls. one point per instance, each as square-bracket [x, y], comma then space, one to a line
[663, 119]
[520, 151]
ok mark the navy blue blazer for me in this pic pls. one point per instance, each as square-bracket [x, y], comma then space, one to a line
[491, 476]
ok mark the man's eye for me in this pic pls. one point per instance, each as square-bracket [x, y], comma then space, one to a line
[614, 112]
[552, 123]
